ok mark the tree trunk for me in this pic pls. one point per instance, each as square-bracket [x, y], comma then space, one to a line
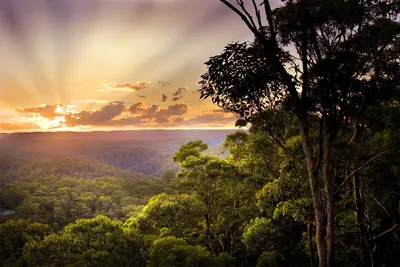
[310, 245]
[359, 216]
[330, 203]
[315, 193]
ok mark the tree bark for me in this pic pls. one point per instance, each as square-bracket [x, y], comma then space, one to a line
[330, 203]
[310, 245]
[315, 194]
[359, 216]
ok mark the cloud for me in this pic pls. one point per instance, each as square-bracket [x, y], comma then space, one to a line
[177, 109]
[177, 98]
[163, 84]
[178, 94]
[96, 117]
[48, 111]
[215, 111]
[134, 108]
[155, 114]
[113, 114]
[128, 86]
[164, 98]
[143, 110]
[180, 91]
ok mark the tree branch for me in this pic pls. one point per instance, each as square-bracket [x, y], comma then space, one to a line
[258, 15]
[380, 205]
[268, 13]
[362, 166]
[387, 231]
[250, 18]
[242, 16]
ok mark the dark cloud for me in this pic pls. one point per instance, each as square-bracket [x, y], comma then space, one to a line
[163, 84]
[178, 94]
[215, 111]
[164, 98]
[134, 108]
[176, 98]
[96, 117]
[180, 91]
[177, 109]
[157, 115]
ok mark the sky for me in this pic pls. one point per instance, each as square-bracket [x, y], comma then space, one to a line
[86, 65]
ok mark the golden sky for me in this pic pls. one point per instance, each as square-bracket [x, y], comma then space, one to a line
[110, 64]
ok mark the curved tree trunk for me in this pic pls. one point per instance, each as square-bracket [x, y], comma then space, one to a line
[316, 195]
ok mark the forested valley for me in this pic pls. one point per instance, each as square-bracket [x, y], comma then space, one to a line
[249, 208]
[311, 179]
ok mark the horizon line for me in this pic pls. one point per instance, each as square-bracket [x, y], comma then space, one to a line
[123, 130]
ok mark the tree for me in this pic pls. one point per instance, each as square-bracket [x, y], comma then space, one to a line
[330, 61]
[226, 194]
[171, 251]
[180, 215]
[14, 234]
[87, 242]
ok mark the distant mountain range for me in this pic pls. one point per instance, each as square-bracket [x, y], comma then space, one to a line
[148, 152]
[212, 136]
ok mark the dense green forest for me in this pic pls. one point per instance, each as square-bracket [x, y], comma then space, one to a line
[313, 182]
[252, 208]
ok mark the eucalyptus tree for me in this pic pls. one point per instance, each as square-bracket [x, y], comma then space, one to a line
[330, 60]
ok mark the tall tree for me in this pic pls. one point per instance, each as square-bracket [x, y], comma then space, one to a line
[331, 60]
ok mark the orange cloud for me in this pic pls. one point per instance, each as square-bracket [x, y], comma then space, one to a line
[128, 86]
[116, 114]
[47, 111]
[96, 117]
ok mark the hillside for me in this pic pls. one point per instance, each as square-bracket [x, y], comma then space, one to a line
[147, 152]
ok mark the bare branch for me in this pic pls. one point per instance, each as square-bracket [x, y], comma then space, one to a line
[258, 15]
[387, 231]
[250, 18]
[242, 16]
[362, 166]
[380, 205]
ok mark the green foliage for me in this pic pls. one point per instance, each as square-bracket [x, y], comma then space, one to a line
[87, 242]
[225, 194]
[58, 202]
[174, 252]
[268, 259]
[260, 235]
[176, 215]
[14, 235]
